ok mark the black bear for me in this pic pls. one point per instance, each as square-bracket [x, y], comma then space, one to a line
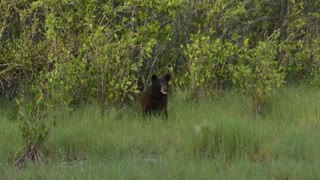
[155, 98]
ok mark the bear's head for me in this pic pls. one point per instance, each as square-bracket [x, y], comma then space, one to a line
[160, 84]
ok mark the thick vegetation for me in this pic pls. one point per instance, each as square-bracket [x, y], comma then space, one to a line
[57, 55]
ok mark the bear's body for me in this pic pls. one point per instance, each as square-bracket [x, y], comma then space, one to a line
[155, 98]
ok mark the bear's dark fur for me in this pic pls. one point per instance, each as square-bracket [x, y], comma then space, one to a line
[155, 97]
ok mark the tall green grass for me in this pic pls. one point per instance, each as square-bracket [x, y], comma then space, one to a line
[215, 138]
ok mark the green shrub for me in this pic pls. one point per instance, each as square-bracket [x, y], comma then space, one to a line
[258, 74]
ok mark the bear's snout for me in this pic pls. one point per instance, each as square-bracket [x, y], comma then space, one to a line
[164, 89]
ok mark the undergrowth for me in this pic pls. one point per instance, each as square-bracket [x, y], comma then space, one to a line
[212, 138]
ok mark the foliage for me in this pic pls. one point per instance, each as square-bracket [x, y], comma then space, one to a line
[196, 41]
[111, 69]
[258, 74]
[315, 57]
[72, 52]
[40, 103]
[208, 62]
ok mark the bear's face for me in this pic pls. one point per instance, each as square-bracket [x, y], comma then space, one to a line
[160, 84]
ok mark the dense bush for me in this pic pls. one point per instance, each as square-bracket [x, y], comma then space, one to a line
[70, 52]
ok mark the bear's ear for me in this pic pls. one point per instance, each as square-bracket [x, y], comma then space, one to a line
[167, 77]
[154, 78]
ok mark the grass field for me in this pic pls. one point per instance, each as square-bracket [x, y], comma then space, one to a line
[212, 139]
